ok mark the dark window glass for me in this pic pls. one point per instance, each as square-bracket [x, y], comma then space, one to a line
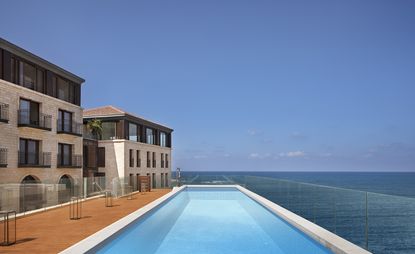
[150, 136]
[40, 83]
[13, 67]
[131, 158]
[27, 75]
[108, 130]
[101, 156]
[28, 152]
[133, 132]
[64, 154]
[28, 112]
[63, 89]
[138, 158]
[64, 121]
[163, 139]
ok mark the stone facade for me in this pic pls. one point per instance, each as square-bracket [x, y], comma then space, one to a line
[117, 162]
[10, 134]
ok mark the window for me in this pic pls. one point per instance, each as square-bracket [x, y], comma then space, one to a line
[133, 131]
[131, 158]
[108, 130]
[64, 154]
[167, 160]
[154, 159]
[148, 159]
[13, 66]
[64, 121]
[27, 75]
[163, 139]
[166, 179]
[101, 156]
[28, 152]
[162, 160]
[154, 180]
[40, 83]
[150, 136]
[162, 180]
[138, 158]
[64, 90]
[28, 112]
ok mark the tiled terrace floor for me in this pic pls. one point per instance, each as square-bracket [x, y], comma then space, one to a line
[52, 231]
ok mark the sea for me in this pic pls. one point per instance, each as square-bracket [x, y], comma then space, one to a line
[375, 210]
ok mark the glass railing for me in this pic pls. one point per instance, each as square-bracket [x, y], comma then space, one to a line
[377, 222]
[26, 118]
[33, 195]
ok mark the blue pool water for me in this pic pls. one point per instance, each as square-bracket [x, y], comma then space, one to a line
[211, 220]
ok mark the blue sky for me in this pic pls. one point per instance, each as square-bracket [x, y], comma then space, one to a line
[247, 85]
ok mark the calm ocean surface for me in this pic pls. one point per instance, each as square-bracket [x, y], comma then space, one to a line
[373, 210]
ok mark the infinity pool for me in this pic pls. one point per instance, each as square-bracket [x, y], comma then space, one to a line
[210, 220]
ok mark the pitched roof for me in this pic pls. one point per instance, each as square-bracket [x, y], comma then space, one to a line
[110, 111]
[103, 111]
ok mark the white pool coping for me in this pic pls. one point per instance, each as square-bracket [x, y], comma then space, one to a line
[331, 241]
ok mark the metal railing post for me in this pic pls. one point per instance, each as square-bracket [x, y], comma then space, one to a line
[108, 199]
[75, 208]
[9, 227]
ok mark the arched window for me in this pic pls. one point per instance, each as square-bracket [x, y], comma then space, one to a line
[66, 188]
[31, 194]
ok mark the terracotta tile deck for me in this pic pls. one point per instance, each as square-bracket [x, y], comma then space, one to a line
[53, 231]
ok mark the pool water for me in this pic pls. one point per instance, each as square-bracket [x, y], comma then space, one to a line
[211, 220]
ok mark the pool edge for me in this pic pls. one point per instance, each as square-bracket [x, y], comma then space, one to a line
[326, 238]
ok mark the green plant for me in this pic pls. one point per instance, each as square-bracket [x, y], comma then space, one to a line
[95, 126]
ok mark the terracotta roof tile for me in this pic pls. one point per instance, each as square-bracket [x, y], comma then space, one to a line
[103, 111]
[107, 111]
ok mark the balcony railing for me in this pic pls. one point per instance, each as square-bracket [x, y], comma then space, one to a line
[42, 122]
[69, 127]
[4, 112]
[69, 161]
[3, 157]
[41, 159]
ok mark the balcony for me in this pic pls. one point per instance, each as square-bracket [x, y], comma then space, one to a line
[3, 157]
[28, 119]
[69, 161]
[69, 127]
[4, 113]
[32, 159]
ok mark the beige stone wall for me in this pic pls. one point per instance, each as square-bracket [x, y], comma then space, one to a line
[10, 134]
[117, 160]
